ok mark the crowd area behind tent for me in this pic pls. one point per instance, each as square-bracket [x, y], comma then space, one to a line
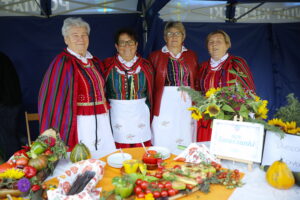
[31, 42]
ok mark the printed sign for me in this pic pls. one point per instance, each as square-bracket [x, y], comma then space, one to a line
[239, 140]
[287, 148]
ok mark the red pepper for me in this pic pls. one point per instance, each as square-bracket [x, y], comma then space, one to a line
[35, 188]
[29, 171]
[21, 152]
[27, 148]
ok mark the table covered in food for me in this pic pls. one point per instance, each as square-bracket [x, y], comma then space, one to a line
[254, 187]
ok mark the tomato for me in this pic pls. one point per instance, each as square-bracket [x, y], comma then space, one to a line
[137, 189]
[147, 191]
[236, 171]
[171, 192]
[35, 188]
[164, 193]
[144, 185]
[22, 161]
[158, 175]
[180, 159]
[156, 194]
[199, 179]
[141, 195]
[154, 185]
[138, 181]
[168, 185]
[176, 167]
[176, 191]
[189, 186]
[160, 185]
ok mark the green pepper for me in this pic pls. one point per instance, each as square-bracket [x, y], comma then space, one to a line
[38, 148]
[124, 190]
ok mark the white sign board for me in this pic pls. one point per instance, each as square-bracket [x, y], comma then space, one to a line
[287, 148]
[239, 140]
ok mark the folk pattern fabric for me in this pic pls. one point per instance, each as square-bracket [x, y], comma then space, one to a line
[57, 103]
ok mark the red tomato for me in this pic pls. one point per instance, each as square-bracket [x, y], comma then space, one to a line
[171, 192]
[154, 185]
[137, 189]
[164, 193]
[156, 194]
[147, 191]
[141, 195]
[138, 181]
[199, 179]
[176, 191]
[158, 175]
[189, 186]
[160, 185]
[168, 185]
[144, 185]
[236, 171]
[177, 167]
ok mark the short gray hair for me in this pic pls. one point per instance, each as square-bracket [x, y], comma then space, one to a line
[74, 21]
[174, 24]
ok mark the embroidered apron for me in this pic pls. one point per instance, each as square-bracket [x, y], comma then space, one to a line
[130, 120]
[86, 127]
[174, 125]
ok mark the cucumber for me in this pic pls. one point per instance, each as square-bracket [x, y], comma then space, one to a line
[178, 185]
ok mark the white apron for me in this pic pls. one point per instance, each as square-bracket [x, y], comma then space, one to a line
[130, 121]
[86, 127]
[174, 125]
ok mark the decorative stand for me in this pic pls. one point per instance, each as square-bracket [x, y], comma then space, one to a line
[249, 163]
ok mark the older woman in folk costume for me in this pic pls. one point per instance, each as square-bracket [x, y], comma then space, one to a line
[175, 66]
[215, 73]
[129, 80]
[72, 97]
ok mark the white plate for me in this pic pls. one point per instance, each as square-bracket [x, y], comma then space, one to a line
[165, 152]
[116, 160]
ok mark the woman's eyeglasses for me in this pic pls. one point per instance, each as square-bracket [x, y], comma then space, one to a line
[174, 34]
[123, 43]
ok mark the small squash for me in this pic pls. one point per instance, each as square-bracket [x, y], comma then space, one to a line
[80, 152]
[280, 176]
[41, 162]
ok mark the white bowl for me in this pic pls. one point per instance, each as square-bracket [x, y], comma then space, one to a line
[116, 160]
[165, 152]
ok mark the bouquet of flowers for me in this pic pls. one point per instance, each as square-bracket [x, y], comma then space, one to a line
[227, 102]
[287, 118]
[26, 170]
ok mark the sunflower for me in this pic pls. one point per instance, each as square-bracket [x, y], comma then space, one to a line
[262, 110]
[196, 115]
[212, 110]
[291, 127]
[211, 91]
[277, 122]
[12, 174]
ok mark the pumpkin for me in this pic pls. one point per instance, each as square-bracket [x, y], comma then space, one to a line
[39, 162]
[80, 152]
[280, 176]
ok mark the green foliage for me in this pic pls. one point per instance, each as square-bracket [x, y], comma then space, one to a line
[290, 112]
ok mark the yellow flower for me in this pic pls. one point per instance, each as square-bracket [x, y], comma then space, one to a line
[196, 115]
[257, 98]
[12, 173]
[212, 110]
[211, 91]
[277, 122]
[262, 110]
[291, 127]
[149, 196]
